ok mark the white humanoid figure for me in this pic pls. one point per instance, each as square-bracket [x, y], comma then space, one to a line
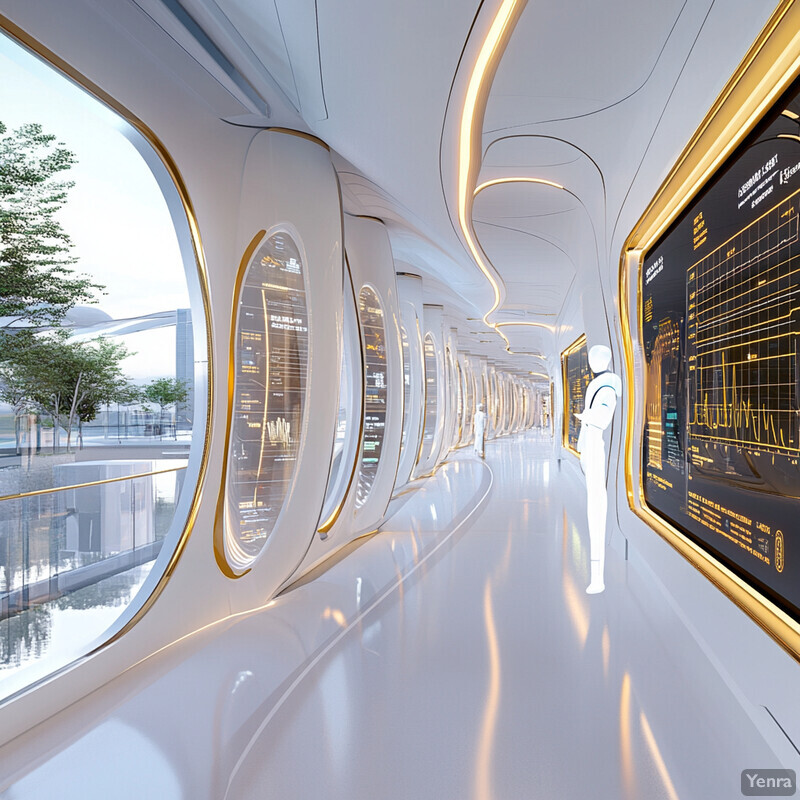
[479, 426]
[601, 400]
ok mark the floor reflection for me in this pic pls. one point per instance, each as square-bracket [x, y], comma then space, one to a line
[48, 633]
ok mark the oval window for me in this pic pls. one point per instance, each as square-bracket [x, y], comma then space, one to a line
[103, 371]
[431, 391]
[270, 367]
[374, 340]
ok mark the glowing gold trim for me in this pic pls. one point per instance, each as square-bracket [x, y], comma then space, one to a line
[301, 135]
[164, 156]
[497, 181]
[219, 518]
[767, 70]
[545, 325]
[790, 114]
[573, 348]
[470, 133]
[54, 489]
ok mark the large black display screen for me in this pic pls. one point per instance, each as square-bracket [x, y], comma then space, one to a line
[720, 315]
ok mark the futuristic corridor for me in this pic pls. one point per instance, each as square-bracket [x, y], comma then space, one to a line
[399, 400]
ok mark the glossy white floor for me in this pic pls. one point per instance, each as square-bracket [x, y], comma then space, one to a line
[452, 656]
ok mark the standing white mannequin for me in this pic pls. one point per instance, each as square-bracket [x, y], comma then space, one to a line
[479, 426]
[601, 400]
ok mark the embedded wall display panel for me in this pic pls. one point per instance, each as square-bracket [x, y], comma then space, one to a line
[374, 339]
[406, 384]
[431, 395]
[720, 319]
[269, 391]
[576, 375]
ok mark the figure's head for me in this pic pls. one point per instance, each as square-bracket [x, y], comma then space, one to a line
[599, 358]
[480, 406]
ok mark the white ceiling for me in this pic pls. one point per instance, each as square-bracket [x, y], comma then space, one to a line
[599, 97]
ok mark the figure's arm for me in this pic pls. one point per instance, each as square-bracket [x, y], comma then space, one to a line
[602, 409]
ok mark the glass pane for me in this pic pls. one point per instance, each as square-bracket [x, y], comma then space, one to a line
[97, 368]
[460, 421]
[406, 384]
[431, 389]
[269, 392]
[374, 335]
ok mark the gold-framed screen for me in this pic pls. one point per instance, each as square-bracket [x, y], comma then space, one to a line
[712, 438]
[575, 374]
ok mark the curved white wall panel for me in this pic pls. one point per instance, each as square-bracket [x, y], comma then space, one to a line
[433, 430]
[409, 289]
[370, 257]
[289, 188]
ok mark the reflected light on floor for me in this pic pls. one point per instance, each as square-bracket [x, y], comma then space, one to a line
[336, 615]
[574, 600]
[656, 754]
[625, 743]
[483, 767]
[606, 651]
[577, 612]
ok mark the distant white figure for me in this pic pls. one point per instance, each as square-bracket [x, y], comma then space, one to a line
[479, 426]
[601, 400]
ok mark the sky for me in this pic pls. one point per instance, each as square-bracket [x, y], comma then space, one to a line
[115, 215]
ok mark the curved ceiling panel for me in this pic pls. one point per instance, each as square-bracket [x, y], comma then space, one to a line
[536, 273]
[525, 339]
[521, 200]
[529, 152]
[576, 57]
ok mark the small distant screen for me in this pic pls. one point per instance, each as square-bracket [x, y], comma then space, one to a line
[575, 367]
[720, 313]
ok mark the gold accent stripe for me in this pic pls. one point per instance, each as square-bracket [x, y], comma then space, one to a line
[55, 489]
[219, 518]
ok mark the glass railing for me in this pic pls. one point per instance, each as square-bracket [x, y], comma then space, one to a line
[87, 547]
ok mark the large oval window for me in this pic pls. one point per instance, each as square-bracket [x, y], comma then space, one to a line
[374, 340]
[103, 378]
[270, 366]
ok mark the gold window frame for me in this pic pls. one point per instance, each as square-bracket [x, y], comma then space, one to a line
[767, 70]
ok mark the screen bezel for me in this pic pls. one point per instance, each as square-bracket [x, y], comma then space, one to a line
[767, 71]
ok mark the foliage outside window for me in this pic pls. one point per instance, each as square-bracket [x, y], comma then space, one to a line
[96, 364]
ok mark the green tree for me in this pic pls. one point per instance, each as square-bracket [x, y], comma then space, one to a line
[37, 285]
[165, 392]
[66, 380]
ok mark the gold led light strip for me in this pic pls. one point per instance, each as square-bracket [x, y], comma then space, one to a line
[118, 479]
[516, 179]
[486, 63]
[474, 106]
